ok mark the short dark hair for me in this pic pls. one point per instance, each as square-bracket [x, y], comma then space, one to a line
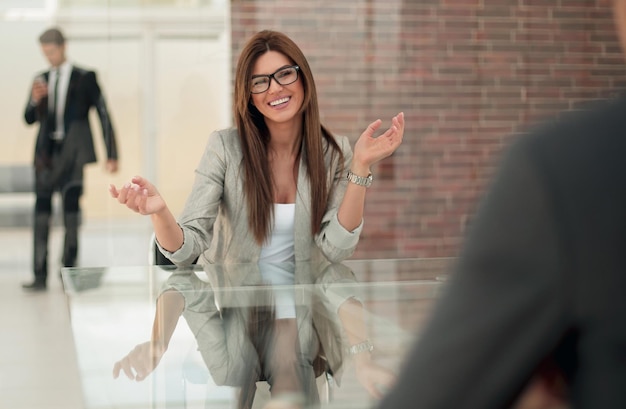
[52, 36]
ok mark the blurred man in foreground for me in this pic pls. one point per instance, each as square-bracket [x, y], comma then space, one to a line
[540, 282]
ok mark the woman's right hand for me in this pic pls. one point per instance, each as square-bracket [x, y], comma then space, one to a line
[139, 362]
[140, 196]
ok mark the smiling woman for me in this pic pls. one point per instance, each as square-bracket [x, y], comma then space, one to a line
[278, 167]
[275, 188]
[278, 148]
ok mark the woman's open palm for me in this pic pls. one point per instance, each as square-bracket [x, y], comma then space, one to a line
[139, 362]
[139, 195]
[370, 149]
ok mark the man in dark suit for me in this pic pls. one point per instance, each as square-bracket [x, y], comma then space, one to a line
[60, 100]
[536, 303]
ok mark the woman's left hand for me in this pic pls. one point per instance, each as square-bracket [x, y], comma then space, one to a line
[370, 149]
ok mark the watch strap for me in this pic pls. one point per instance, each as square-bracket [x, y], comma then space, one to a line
[365, 181]
[365, 346]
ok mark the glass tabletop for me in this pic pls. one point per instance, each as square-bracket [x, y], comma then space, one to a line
[247, 335]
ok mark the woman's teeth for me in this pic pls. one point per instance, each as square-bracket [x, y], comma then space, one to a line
[279, 101]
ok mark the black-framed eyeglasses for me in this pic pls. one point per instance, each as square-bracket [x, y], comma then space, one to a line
[284, 76]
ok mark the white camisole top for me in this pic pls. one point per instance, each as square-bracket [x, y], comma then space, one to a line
[280, 249]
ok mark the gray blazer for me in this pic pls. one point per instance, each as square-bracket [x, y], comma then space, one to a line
[215, 221]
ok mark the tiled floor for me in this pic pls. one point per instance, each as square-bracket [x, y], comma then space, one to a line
[38, 368]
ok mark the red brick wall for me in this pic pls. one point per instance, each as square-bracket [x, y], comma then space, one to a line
[468, 74]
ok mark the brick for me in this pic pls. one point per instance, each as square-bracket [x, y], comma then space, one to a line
[470, 75]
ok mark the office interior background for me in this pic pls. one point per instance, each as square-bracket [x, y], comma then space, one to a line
[470, 75]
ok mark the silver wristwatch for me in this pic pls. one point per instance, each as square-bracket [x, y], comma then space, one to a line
[360, 180]
[365, 346]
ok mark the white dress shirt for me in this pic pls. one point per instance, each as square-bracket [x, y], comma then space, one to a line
[64, 72]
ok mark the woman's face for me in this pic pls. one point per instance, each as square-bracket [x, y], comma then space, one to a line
[280, 104]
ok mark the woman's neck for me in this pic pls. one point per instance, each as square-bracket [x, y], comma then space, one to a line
[285, 138]
[285, 143]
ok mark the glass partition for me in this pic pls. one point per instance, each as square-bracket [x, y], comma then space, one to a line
[164, 69]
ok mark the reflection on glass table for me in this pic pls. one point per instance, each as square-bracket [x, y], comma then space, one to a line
[247, 335]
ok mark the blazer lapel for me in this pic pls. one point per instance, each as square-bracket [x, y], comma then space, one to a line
[70, 97]
[302, 225]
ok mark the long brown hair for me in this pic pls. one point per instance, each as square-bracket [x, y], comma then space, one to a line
[254, 136]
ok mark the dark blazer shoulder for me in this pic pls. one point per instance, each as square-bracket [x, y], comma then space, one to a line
[81, 70]
[578, 137]
[82, 75]
[581, 126]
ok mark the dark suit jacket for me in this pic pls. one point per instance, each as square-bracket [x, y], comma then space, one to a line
[83, 93]
[542, 275]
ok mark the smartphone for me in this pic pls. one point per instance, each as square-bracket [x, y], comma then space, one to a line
[40, 79]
